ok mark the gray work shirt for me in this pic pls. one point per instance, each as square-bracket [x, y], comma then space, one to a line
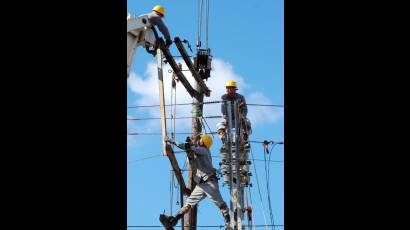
[203, 161]
[156, 20]
[237, 97]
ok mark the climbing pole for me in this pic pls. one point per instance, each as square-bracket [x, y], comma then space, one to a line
[235, 165]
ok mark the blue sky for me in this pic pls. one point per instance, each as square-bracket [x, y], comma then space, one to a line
[246, 41]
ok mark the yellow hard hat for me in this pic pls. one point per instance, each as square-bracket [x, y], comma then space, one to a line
[160, 9]
[231, 83]
[207, 140]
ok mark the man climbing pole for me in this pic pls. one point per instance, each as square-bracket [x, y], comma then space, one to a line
[206, 179]
[230, 97]
[155, 18]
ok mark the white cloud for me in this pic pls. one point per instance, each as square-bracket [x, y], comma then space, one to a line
[262, 114]
[146, 90]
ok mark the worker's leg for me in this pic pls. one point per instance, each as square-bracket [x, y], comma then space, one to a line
[225, 213]
[196, 196]
[211, 189]
[221, 127]
[248, 127]
[247, 132]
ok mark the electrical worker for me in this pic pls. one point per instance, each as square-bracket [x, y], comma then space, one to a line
[230, 97]
[155, 18]
[205, 179]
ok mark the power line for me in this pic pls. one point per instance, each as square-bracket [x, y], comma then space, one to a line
[145, 158]
[191, 103]
[265, 105]
[202, 103]
[201, 226]
[267, 183]
[153, 156]
[136, 133]
[254, 159]
[177, 152]
[157, 118]
[259, 191]
[271, 142]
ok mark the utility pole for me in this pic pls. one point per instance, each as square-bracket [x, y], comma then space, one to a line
[237, 168]
[197, 107]
[238, 189]
[202, 64]
[200, 70]
[230, 160]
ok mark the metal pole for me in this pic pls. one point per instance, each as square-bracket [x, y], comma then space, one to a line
[229, 152]
[198, 44]
[207, 18]
[238, 149]
[182, 205]
[162, 101]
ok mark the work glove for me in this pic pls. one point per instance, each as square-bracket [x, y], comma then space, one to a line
[171, 141]
[183, 146]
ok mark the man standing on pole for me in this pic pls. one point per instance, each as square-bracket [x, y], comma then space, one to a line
[231, 96]
[206, 179]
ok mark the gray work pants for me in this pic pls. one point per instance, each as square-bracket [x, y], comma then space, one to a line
[202, 190]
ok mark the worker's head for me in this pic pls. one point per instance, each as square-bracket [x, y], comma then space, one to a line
[231, 87]
[206, 140]
[160, 10]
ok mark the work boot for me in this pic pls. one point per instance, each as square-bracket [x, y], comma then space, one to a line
[169, 221]
[226, 216]
[166, 221]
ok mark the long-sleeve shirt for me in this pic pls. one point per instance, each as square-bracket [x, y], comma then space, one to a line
[156, 20]
[203, 162]
[237, 97]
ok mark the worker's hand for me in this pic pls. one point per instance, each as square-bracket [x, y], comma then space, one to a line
[169, 140]
[168, 42]
[183, 146]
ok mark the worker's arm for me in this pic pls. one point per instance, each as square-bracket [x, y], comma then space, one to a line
[197, 150]
[200, 150]
[244, 107]
[161, 26]
[183, 145]
[223, 106]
